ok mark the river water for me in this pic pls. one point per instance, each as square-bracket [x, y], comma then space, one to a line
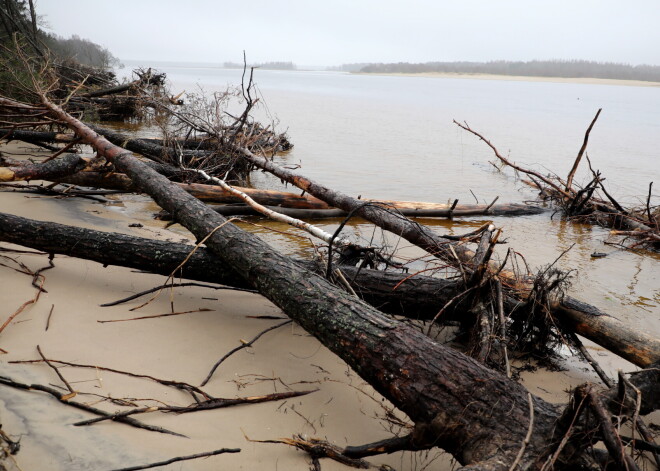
[392, 137]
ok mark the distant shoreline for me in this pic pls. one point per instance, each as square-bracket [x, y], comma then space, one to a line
[520, 78]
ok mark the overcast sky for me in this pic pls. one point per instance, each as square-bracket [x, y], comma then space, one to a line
[333, 32]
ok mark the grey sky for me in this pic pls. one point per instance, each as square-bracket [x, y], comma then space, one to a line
[332, 32]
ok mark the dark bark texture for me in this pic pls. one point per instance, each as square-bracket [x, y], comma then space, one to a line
[415, 297]
[471, 411]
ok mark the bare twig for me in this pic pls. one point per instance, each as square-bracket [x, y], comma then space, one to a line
[165, 382]
[215, 403]
[63, 399]
[241, 347]
[154, 316]
[175, 285]
[181, 458]
[648, 208]
[587, 356]
[571, 174]
[57, 371]
[545, 180]
[49, 316]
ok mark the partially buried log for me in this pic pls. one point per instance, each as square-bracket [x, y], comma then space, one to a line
[583, 203]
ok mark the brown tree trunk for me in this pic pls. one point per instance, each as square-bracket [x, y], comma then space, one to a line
[10, 134]
[61, 167]
[308, 206]
[415, 233]
[417, 297]
[476, 414]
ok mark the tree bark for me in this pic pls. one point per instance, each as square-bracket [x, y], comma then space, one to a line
[416, 297]
[458, 404]
[308, 206]
[61, 167]
[415, 233]
[32, 136]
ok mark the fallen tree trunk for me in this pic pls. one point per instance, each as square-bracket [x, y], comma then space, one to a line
[10, 134]
[417, 234]
[442, 211]
[114, 90]
[416, 297]
[207, 193]
[53, 169]
[419, 297]
[148, 149]
[476, 414]
[316, 207]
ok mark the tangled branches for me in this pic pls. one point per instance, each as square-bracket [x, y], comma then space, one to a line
[591, 203]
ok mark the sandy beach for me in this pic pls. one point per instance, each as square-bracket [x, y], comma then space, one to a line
[520, 78]
[343, 409]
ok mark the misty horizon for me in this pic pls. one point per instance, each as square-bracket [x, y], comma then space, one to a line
[220, 63]
[344, 32]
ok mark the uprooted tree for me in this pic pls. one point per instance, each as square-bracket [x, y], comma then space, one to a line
[639, 224]
[458, 401]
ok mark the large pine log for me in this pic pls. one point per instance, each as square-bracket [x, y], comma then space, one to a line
[316, 207]
[416, 297]
[476, 414]
[419, 297]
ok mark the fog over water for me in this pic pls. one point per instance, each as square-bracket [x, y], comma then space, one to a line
[344, 31]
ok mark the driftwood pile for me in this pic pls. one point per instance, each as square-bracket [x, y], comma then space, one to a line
[466, 402]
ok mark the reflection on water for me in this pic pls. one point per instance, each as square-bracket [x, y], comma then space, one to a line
[393, 138]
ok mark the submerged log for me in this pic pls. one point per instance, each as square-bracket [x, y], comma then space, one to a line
[583, 203]
[416, 297]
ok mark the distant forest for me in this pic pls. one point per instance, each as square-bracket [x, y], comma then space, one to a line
[19, 22]
[554, 68]
[281, 65]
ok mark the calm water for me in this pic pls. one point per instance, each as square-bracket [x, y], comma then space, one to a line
[393, 138]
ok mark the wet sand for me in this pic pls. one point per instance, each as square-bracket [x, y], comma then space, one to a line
[344, 410]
